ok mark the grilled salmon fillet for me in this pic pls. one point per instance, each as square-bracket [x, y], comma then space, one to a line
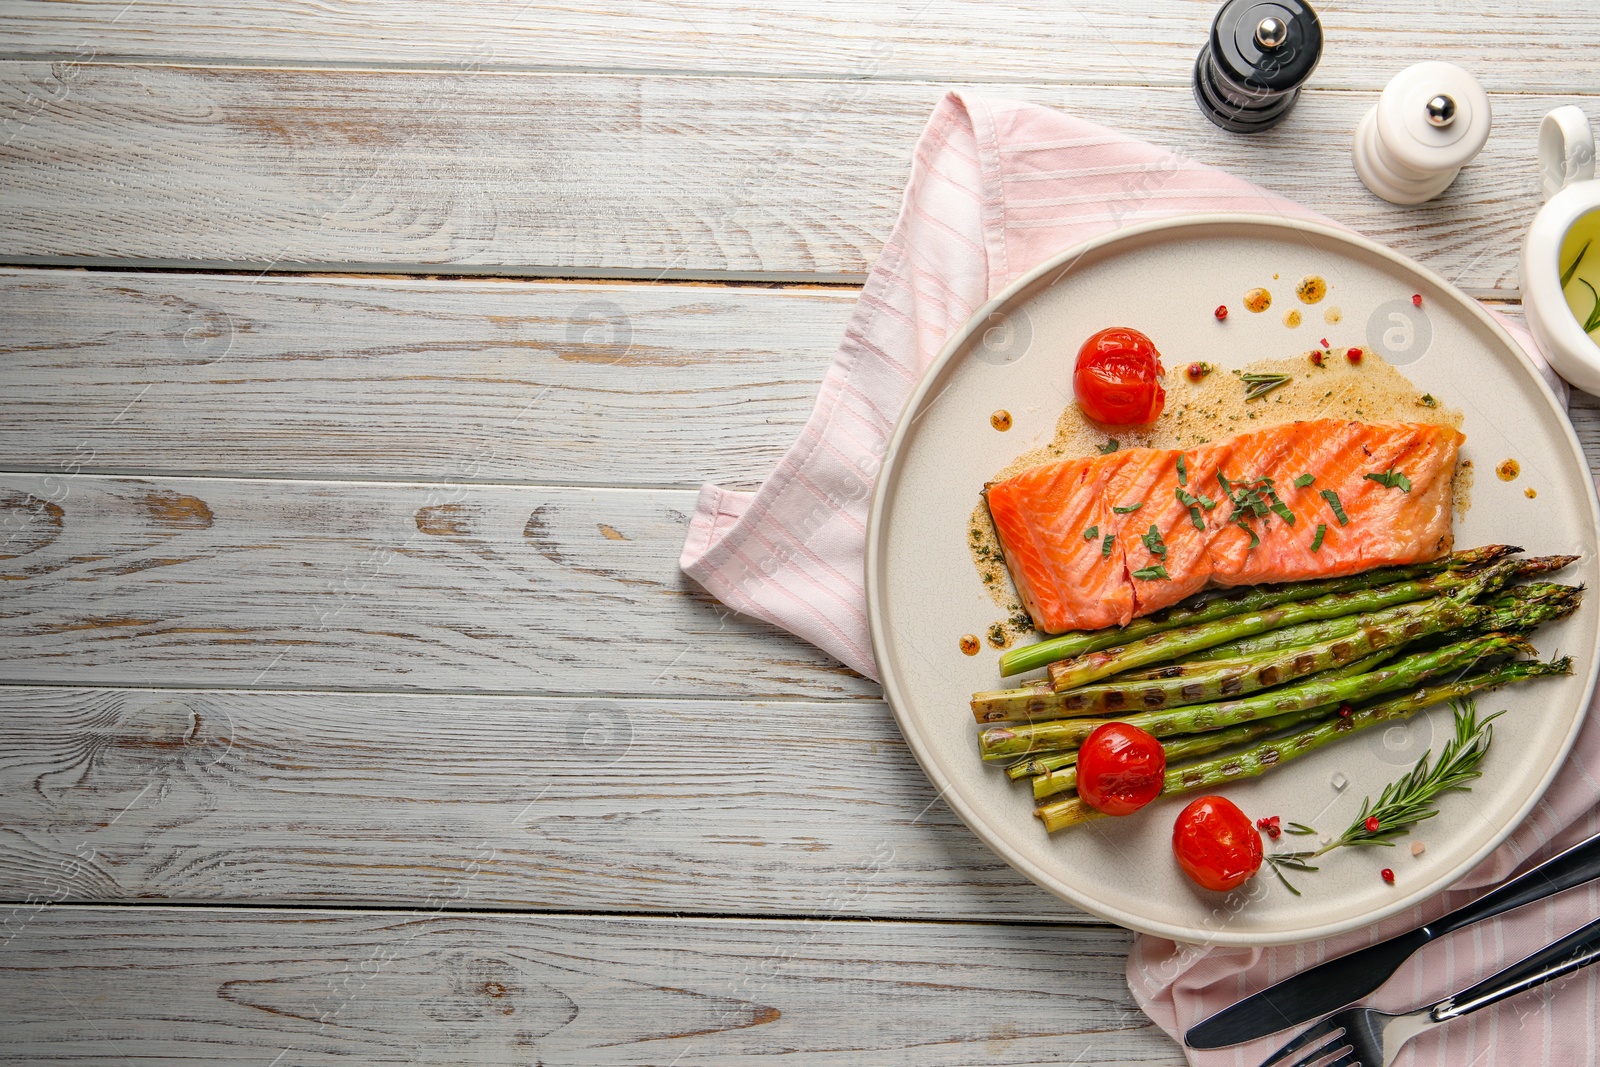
[1101, 540]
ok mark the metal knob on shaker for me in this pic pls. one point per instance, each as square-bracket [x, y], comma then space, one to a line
[1431, 120]
[1248, 76]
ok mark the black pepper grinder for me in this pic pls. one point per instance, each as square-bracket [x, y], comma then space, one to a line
[1249, 74]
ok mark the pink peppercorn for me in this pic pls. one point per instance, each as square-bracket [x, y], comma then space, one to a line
[1388, 875]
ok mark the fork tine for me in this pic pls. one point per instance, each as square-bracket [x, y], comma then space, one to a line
[1335, 1047]
[1347, 1060]
[1326, 1029]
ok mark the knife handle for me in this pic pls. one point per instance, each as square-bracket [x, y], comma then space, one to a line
[1575, 866]
[1575, 951]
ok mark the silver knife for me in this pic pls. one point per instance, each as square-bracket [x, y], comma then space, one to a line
[1332, 985]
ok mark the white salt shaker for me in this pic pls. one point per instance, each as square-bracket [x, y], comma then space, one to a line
[1430, 121]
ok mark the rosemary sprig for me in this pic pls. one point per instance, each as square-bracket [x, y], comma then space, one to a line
[1408, 801]
[1258, 385]
[1594, 312]
[1566, 275]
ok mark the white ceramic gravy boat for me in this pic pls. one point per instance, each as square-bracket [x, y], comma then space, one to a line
[1566, 171]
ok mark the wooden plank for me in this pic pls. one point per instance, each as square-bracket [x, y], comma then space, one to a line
[1585, 413]
[792, 808]
[1544, 43]
[408, 379]
[638, 385]
[153, 986]
[589, 174]
[283, 584]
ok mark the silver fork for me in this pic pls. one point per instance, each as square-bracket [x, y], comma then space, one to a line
[1366, 1037]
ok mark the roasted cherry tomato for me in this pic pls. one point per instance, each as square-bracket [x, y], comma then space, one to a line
[1216, 844]
[1117, 378]
[1120, 768]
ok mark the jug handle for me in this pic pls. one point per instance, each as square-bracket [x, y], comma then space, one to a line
[1566, 149]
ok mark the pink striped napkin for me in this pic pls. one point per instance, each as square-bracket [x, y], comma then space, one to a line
[998, 186]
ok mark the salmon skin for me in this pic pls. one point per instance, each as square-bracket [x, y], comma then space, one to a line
[1101, 540]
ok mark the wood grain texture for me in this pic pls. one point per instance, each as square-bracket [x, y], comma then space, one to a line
[1543, 43]
[282, 584]
[297, 989]
[598, 385]
[588, 174]
[688, 807]
[629, 385]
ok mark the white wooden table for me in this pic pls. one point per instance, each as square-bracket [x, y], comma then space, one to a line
[359, 362]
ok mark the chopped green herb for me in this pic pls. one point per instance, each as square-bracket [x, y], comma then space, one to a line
[1392, 479]
[1153, 542]
[1322, 531]
[1128, 508]
[1279, 508]
[1183, 472]
[1255, 497]
[1427, 400]
[1109, 447]
[1258, 385]
[1192, 502]
[1338, 509]
[1091, 533]
[1303, 481]
[1152, 573]
[1206, 502]
[1105, 546]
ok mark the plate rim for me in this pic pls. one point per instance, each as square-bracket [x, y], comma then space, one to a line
[888, 475]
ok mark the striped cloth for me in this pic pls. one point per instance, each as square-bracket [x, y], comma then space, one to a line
[996, 187]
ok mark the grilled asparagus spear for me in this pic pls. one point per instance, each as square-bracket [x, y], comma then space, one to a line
[1065, 779]
[1069, 674]
[1003, 742]
[1181, 684]
[1236, 602]
[1275, 752]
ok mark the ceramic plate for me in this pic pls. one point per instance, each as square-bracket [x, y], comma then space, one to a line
[1165, 279]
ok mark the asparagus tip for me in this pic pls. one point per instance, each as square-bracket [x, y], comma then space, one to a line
[1543, 564]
